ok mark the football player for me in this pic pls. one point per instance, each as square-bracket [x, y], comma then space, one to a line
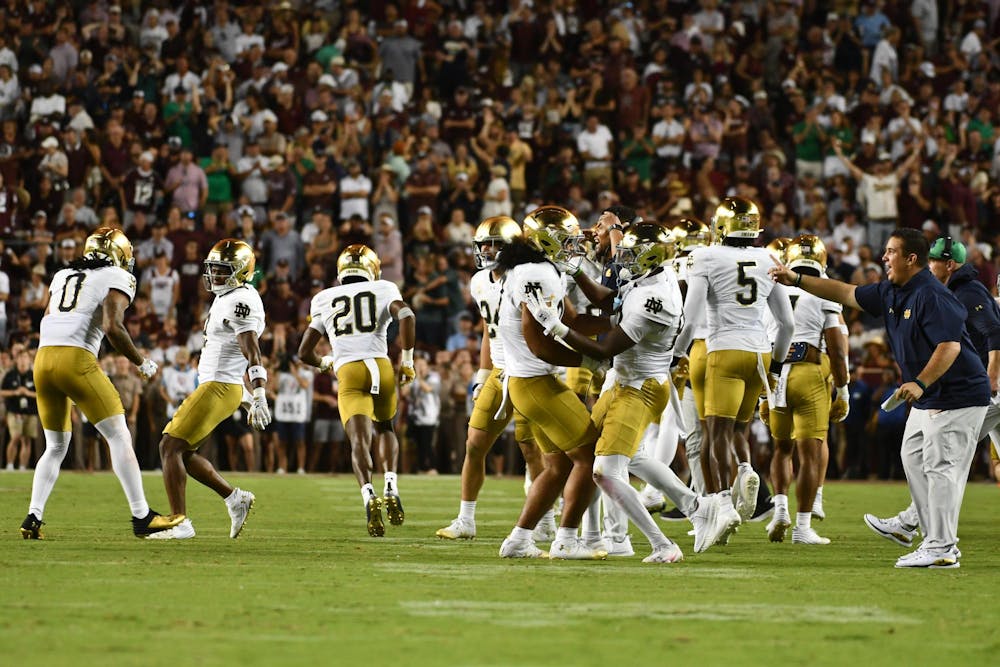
[642, 346]
[88, 302]
[803, 418]
[492, 235]
[235, 322]
[729, 289]
[559, 420]
[355, 316]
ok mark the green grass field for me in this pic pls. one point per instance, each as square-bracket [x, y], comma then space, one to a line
[306, 585]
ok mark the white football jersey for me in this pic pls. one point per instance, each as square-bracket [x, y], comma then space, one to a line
[580, 302]
[355, 317]
[231, 314]
[650, 315]
[540, 281]
[76, 306]
[486, 290]
[810, 316]
[682, 266]
[738, 288]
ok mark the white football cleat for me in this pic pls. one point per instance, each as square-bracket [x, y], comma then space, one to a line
[817, 511]
[728, 517]
[652, 499]
[935, 560]
[459, 529]
[520, 549]
[891, 529]
[545, 531]
[239, 510]
[575, 549]
[706, 523]
[778, 525]
[671, 553]
[182, 531]
[620, 548]
[745, 494]
[801, 535]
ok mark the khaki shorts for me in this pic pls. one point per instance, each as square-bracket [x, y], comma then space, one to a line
[558, 419]
[64, 374]
[485, 408]
[732, 384]
[207, 407]
[355, 393]
[697, 363]
[808, 398]
[22, 425]
[622, 414]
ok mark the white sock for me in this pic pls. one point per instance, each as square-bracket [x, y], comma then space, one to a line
[47, 470]
[780, 502]
[367, 492]
[123, 462]
[565, 534]
[611, 473]
[520, 534]
[467, 510]
[549, 518]
[391, 486]
[803, 519]
[592, 515]
[818, 502]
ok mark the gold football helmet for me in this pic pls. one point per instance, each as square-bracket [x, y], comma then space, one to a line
[778, 247]
[112, 244]
[691, 233]
[490, 235]
[644, 247]
[230, 263]
[359, 260]
[807, 251]
[736, 217]
[555, 231]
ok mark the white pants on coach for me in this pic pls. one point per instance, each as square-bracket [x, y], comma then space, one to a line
[938, 446]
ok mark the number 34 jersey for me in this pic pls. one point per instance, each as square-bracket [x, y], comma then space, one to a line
[76, 306]
[738, 288]
[231, 314]
[355, 317]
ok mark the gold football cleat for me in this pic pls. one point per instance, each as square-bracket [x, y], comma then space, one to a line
[394, 509]
[376, 526]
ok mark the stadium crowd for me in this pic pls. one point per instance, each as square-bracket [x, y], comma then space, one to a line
[303, 127]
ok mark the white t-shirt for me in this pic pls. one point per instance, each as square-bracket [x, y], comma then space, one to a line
[178, 383]
[671, 130]
[858, 233]
[879, 195]
[650, 315]
[485, 291]
[971, 45]
[597, 143]
[161, 290]
[4, 289]
[355, 317]
[75, 310]
[294, 401]
[352, 205]
[543, 283]
[231, 314]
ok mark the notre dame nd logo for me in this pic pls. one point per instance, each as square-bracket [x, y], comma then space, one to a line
[241, 310]
[654, 305]
[533, 289]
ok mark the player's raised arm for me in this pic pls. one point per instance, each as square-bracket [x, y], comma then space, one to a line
[407, 339]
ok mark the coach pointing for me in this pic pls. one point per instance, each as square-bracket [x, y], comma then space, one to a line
[943, 378]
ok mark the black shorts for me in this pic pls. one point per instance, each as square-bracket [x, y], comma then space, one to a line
[290, 431]
[234, 427]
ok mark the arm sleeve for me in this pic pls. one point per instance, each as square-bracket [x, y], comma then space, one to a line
[781, 308]
[869, 297]
[694, 311]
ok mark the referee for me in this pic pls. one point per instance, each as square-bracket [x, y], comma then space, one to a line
[943, 378]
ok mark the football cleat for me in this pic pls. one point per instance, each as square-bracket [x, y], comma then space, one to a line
[621, 548]
[802, 535]
[239, 510]
[891, 529]
[520, 549]
[745, 491]
[652, 500]
[373, 512]
[778, 526]
[817, 510]
[459, 529]
[154, 523]
[935, 560]
[182, 531]
[599, 543]
[31, 528]
[728, 517]
[545, 531]
[393, 508]
[671, 553]
[708, 527]
[575, 549]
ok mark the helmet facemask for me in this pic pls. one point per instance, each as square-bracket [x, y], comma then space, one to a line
[219, 277]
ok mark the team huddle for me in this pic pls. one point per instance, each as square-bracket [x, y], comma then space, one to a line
[683, 334]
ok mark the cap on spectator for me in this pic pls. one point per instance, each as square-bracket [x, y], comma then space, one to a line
[115, 9]
[50, 142]
[277, 161]
[760, 95]
[286, 88]
[929, 226]
[867, 137]
[424, 210]
[946, 248]
[40, 214]
[487, 102]
[67, 243]
[401, 23]
[327, 80]
[35, 69]
[317, 283]
[146, 156]
[174, 142]
[279, 67]
[245, 210]
[38, 269]
[139, 93]
[461, 176]
[927, 69]
[498, 170]
[319, 116]
[280, 215]
[606, 194]
[337, 61]
[883, 156]
[159, 224]
[269, 116]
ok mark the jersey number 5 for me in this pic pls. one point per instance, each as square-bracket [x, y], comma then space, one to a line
[745, 298]
[71, 292]
[363, 311]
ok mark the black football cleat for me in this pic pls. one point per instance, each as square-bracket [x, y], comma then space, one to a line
[31, 528]
[154, 523]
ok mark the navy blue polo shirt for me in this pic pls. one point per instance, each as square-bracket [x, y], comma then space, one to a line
[918, 317]
[983, 321]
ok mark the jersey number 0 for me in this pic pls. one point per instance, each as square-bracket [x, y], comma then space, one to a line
[70, 295]
[362, 307]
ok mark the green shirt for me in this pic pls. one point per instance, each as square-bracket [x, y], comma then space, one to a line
[846, 136]
[985, 129]
[639, 154]
[220, 187]
[181, 125]
[809, 149]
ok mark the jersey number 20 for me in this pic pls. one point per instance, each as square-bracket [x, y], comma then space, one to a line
[363, 309]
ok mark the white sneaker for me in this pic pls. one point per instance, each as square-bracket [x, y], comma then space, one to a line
[300, 471]
[779, 525]
[935, 560]
[545, 531]
[801, 535]
[182, 531]
[621, 548]
[652, 499]
[575, 549]
[728, 517]
[520, 549]
[745, 493]
[459, 529]
[668, 554]
[817, 511]
[239, 509]
[706, 523]
[891, 529]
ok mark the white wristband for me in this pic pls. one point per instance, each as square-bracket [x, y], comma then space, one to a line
[403, 313]
[407, 357]
[843, 394]
[260, 394]
[257, 373]
[482, 375]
